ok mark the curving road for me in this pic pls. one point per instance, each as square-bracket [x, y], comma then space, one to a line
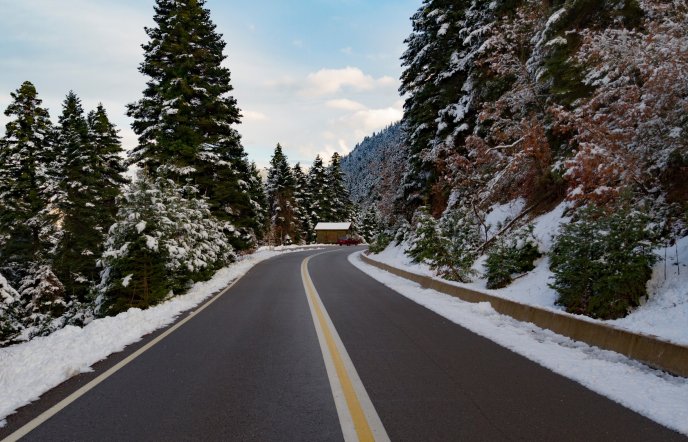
[263, 360]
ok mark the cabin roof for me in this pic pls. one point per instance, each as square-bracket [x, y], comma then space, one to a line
[333, 226]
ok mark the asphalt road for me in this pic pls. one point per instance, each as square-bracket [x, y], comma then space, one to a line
[250, 367]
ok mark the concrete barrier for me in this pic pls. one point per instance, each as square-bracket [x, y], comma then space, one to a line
[672, 358]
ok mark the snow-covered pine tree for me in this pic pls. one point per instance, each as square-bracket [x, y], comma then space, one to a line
[432, 86]
[109, 165]
[260, 203]
[27, 224]
[10, 324]
[89, 182]
[185, 120]
[369, 225]
[164, 239]
[317, 185]
[284, 213]
[302, 197]
[340, 205]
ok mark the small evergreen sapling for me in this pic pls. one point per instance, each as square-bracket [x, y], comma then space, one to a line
[459, 241]
[511, 256]
[424, 242]
[602, 262]
[449, 246]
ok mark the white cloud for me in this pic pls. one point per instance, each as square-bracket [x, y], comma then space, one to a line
[253, 116]
[363, 122]
[331, 81]
[345, 104]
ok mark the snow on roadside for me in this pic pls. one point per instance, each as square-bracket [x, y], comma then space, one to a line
[664, 315]
[652, 393]
[29, 369]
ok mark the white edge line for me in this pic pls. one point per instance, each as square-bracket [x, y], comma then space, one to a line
[52, 411]
[371, 415]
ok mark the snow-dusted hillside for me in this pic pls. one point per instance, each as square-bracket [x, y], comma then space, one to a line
[373, 170]
[664, 313]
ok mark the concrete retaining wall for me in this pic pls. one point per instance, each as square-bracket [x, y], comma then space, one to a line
[660, 354]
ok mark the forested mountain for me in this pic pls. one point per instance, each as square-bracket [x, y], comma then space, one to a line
[373, 170]
[578, 101]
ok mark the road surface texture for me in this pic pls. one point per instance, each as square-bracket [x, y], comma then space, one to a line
[250, 367]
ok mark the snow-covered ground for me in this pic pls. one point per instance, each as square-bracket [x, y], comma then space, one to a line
[652, 393]
[29, 369]
[664, 315]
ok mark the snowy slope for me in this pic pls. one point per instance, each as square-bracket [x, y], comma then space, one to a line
[665, 314]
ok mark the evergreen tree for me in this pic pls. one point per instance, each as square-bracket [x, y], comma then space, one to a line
[10, 325]
[260, 203]
[601, 262]
[302, 199]
[340, 205]
[27, 226]
[185, 119]
[317, 186]
[78, 204]
[431, 86]
[109, 165]
[370, 224]
[284, 215]
[161, 242]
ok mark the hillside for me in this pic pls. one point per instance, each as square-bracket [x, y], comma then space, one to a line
[575, 107]
[373, 170]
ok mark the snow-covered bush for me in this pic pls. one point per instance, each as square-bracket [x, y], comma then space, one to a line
[602, 262]
[164, 238]
[380, 242]
[511, 256]
[449, 246]
[459, 241]
[424, 244]
[9, 324]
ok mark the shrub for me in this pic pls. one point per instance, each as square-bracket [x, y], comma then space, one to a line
[512, 256]
[602, 263]
[449, 246]
[380, 242]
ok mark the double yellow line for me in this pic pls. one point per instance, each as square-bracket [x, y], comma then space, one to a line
[357, 416]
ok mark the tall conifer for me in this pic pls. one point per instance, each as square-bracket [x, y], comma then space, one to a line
[340, 205]
[302, 198]
[283, 209]
[91, 176]
[27, 225]
[185, 120]
[317, 185]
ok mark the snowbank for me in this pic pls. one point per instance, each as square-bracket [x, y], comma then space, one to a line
[29, 369]
[652, 393]
[664, 315]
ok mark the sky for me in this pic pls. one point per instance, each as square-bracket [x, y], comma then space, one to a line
[316, 76]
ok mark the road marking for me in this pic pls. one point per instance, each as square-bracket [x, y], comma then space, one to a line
[32, 425]
[357, 415]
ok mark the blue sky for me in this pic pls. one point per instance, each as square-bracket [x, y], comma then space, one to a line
[316, 76]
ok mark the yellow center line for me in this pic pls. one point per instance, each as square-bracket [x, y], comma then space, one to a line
[357, 415]
[360, 421]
